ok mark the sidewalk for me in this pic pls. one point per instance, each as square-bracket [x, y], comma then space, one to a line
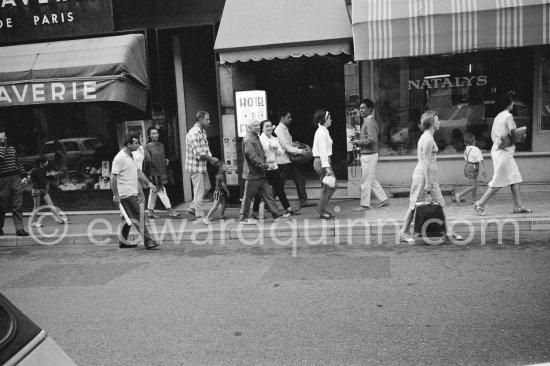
[101, 227]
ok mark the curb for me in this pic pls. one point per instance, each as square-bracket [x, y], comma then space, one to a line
[313, 232]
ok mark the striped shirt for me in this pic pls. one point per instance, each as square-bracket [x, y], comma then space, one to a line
[9, 162]
[196, 145]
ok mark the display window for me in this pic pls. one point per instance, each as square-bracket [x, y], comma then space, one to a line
[462, 88]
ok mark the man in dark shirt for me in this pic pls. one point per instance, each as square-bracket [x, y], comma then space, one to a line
[12, 176]
[254, 174]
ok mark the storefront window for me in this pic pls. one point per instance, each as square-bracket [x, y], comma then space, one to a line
[462, 88]
[545, 95]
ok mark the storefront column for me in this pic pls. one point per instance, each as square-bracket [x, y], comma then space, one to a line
[182, 124]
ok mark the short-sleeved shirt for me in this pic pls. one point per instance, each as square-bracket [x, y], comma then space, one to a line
[126, 170]
[472, 154]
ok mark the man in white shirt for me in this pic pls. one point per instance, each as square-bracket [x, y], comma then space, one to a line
[287, 169]
[125, 177]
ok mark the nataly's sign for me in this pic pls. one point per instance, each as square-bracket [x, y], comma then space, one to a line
[448, 82]
[28, 20]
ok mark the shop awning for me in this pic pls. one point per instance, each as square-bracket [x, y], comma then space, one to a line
[397, 28]
[83, 70]
[268, 29]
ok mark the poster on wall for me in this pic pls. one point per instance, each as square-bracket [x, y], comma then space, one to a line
[230, 149]
[250, 104]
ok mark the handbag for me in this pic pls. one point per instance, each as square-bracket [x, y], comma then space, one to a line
[429, 210]
[471, 170]
[302, 158]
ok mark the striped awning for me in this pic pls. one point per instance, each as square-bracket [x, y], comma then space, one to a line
[402, 28]
[267, 29]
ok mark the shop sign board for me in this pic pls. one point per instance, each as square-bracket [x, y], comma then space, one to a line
[250, 104]
[448, 82]
[230, 149]
[53, 92]
[28, 20]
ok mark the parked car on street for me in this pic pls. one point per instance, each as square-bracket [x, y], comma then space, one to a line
[80, 154]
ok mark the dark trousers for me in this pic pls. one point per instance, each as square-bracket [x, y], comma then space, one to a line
[11, 192]
[131, 206]
[274, 180]
[260, 186]
[295, 172]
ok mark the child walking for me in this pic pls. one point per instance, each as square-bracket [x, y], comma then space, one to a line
[220, 193]
[473, 157]
[38, 177]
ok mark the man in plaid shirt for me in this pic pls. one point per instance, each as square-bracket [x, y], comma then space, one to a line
[197, 153]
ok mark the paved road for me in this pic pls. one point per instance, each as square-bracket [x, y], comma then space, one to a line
[331, 304]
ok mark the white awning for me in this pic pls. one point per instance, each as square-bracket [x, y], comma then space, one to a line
[268, 29]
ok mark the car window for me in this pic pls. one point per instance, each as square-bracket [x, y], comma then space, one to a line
[48, 148]
[71, 146]
[90, 144]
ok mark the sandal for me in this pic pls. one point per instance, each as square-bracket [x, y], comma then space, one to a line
[518, 210]
[479, 209]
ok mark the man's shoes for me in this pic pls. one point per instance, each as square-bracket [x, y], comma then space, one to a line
[248, 222]
[255, 215]
[293, 211]
[21, 232]
[383, 204]
[306, 203]
[123, 245]
[286, 214]
[174, 214]
[151, 245]
[190, 211]
[360, 208]
[327, 216]
[152, 215]
[281, 218]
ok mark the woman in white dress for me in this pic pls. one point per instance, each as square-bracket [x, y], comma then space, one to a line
[506, 172]
[424, 179]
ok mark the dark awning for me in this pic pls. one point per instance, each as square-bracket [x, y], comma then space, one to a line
[401, 28]
[83, 70]
[268, 29]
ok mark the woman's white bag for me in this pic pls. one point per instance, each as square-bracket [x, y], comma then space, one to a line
[329, 180]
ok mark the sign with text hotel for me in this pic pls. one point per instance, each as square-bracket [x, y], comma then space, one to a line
[29, 20]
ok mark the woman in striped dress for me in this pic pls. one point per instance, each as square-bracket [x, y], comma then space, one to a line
[424, 179]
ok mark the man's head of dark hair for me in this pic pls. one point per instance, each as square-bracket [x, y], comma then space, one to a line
[282, 112]
[129, 139]
[369, 103]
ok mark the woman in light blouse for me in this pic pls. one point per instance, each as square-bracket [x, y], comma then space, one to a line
[322, 152]
[272, 149]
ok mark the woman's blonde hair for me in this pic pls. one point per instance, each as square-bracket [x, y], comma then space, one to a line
[427, 119]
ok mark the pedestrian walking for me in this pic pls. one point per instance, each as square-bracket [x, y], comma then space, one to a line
[197, 154]
[506, 171]
[221, 193]
[254, 167]
[474, 158]
[424, 179]
[322, 153]
[38, 177]
[368, 142]
[125, 177]
[12, 177]
[287, 169]
[272, 149]
[156, 166]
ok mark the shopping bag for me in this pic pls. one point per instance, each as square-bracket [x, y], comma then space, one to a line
[429, 218]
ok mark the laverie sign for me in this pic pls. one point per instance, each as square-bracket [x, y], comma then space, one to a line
[28, 20]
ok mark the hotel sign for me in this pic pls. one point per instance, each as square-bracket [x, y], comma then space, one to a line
[29, 20]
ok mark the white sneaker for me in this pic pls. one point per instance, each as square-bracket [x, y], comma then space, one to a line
[406, 238]
[249, 222]
[206, 221]
[36, 224]
[286, 214]
[281, 218]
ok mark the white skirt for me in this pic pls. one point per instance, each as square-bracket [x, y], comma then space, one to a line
[506, 170]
